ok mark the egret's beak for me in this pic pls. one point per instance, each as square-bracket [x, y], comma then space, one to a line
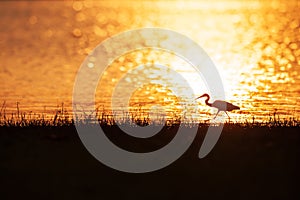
[200, 97]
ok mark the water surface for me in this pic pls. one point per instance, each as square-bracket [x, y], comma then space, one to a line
[254, 44]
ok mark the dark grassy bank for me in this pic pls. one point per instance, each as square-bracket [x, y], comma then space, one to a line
[50, 162]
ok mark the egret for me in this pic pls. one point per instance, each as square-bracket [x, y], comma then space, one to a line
[220, 105]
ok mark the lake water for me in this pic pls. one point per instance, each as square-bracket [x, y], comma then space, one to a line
[254, 44]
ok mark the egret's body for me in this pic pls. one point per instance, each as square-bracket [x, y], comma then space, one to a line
[220, 105]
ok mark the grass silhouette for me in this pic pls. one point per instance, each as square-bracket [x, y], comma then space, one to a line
[61, 117]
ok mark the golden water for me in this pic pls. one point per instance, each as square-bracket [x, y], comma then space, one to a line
[254, 44]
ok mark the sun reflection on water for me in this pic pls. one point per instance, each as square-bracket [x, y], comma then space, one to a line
[254, 44]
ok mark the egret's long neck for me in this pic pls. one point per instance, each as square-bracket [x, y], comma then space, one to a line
[206, 101]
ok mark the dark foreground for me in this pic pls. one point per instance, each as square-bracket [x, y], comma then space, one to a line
[246, 163]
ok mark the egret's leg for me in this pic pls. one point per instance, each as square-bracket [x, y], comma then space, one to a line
[216, 114]
[227, 115]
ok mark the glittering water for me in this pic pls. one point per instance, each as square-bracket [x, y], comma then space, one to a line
[255, 46]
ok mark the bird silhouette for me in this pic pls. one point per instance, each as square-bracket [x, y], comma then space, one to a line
[220, 105]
